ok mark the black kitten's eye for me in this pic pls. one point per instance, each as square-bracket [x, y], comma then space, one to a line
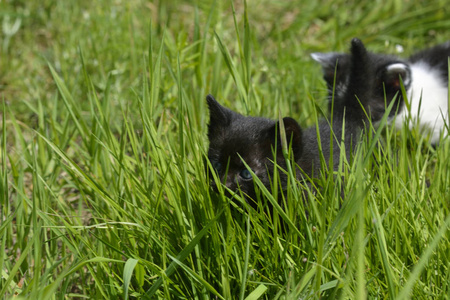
[245, 174]
[216, 165]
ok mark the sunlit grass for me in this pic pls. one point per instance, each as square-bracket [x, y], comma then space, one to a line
[103, 186]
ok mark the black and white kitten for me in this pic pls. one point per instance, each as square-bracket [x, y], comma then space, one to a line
[424, 76]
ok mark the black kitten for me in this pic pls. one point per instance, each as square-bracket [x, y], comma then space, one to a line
[424, 75]
[233, 138]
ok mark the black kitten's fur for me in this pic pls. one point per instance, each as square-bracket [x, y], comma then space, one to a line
[424, 76]
[233, 136]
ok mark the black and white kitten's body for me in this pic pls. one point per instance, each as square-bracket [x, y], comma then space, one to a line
[424, 76]
[233, 138]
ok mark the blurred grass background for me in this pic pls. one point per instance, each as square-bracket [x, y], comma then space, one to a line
[103, 191]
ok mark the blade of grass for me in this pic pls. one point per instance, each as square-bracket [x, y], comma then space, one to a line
[246, 258]
[384, 252]
[13, 272]
[425, 257]
[257, 293]
[196, 277]
[127, 274]
[70, 105]
[181, 256]
[234, 73]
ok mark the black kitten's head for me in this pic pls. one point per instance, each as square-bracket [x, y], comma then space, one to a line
[234, 138]
[370, 77]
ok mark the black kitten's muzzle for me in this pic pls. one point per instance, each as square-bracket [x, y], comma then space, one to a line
[233, 191]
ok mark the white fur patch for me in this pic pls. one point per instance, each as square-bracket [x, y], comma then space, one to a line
[428, 100]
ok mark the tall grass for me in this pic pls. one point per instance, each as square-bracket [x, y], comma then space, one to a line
[104, 192]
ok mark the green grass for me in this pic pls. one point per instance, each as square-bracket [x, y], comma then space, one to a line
[103, 185]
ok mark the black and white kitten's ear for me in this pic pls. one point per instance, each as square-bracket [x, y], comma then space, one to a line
[391, 77]
[360, 69]
[359, 57]
[293, 136]
[357, 48]
[326, 59]
[332, 62]
[219, 116]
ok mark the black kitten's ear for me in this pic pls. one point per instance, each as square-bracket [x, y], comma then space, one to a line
[293, 136]
[391, 76]
[216, 111]
[219, 116]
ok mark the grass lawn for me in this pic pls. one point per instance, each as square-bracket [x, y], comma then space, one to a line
[103, 189]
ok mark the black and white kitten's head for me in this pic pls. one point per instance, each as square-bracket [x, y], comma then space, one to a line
[372, 78]
[234, 138]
